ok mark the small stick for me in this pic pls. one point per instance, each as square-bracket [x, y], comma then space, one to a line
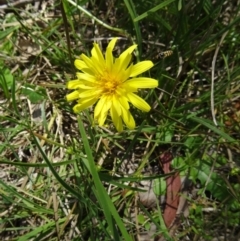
[212, 83]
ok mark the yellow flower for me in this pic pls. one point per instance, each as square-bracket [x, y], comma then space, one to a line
[112, 83]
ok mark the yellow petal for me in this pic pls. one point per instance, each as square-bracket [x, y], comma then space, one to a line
[79, 64]
[87, 99]
[103, 105]
[126, 73]
[72, 96]
[125, 89]
[97, 53]
[112, 44]
[117, 120]
[82, 106]
[101, 110]
[127, 52]
[124, 102]
[138, 102]
[73, 84]
[90, 93]
[102, 118]
[141, 67]
[108, 54]
[79, 84]
[88, 62]
[99, 67]
[116, 105]
[86, 77]
[120, 65]
[128, 119]
[141, 83]
[123, 60]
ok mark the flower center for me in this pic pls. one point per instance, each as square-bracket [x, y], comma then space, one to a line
[108, 83]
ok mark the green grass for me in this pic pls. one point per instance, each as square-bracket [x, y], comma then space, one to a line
[62, 176]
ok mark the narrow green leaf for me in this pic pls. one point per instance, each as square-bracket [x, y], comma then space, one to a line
[101, 194]
[159, 6]
[215, 129]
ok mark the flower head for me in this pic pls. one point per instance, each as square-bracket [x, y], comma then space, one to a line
[112, 83]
